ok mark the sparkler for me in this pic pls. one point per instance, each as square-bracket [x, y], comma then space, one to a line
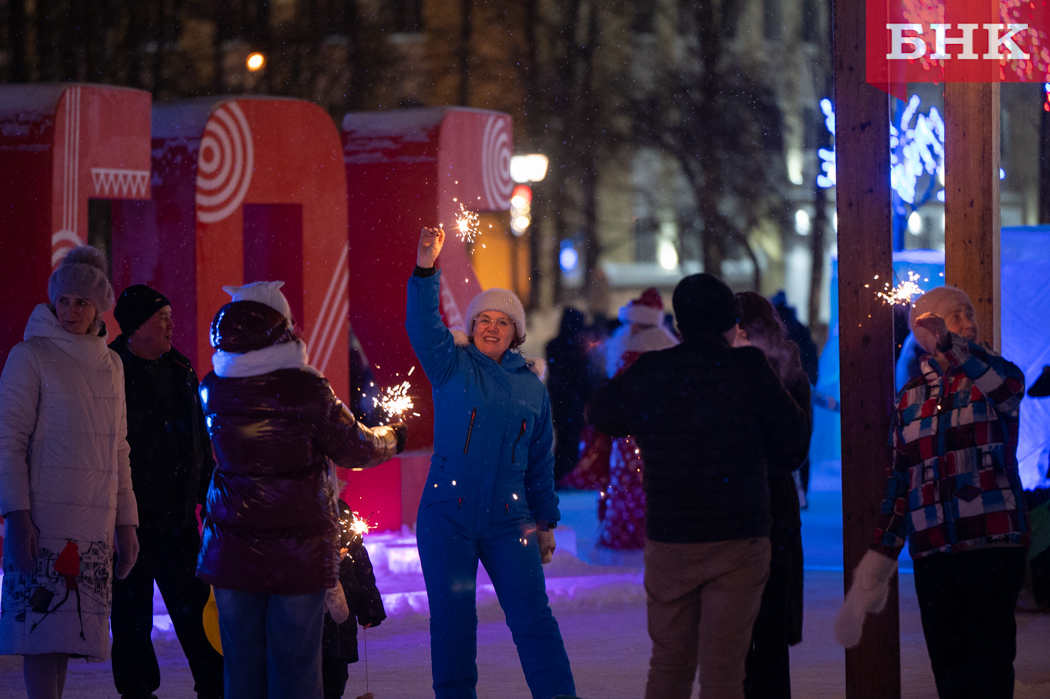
[902, 293]
[354, 526]
[395, 400]
[467, 225]
[359, 526]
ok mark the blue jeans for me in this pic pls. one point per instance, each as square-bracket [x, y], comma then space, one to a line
[450, 568]
[271, 644]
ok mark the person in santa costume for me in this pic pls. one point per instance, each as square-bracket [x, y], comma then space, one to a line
[621, 530]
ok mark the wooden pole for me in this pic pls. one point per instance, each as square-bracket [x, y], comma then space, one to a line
[971, 199]
[862, 129]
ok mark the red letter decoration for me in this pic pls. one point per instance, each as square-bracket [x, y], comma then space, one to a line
[405, 170]
[246, 189]
[61, 145]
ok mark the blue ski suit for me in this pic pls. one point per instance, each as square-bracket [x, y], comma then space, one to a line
[491, 478]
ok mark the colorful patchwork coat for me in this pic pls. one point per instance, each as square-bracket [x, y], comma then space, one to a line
[954, 484]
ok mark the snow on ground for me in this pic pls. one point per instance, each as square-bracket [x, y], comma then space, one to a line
[601, 611]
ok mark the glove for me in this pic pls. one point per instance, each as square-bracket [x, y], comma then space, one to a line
[22, 541]
[867, 594]
[401, 432]
[335, 603]
[127, 549]
[547, 545]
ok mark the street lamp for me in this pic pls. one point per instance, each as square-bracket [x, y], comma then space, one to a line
[255, 61]
[528, 168]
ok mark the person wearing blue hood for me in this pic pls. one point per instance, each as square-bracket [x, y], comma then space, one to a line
[489, 496]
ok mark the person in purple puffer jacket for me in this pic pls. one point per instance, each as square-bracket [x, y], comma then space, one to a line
[270, 540]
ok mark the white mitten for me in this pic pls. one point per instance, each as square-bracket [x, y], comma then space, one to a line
[335, 602]
[867, 594]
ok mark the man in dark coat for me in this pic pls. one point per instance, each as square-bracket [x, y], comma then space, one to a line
[708, 419]
[171, 464]
[567, 384]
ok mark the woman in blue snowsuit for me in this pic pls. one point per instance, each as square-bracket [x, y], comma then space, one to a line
[489, 495]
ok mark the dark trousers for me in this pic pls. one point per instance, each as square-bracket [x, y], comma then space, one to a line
[169, 556]
[768, 669]
[334, 674]
[967, 605]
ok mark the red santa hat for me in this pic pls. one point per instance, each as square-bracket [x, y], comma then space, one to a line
[647, 309]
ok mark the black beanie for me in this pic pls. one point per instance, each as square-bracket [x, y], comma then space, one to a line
[704, 305]
[136, 305]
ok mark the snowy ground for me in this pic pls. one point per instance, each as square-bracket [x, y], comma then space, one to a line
[601, 611]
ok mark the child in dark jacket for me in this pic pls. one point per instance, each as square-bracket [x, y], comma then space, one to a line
[339, 642]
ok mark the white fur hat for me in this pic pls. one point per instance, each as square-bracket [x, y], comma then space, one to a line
[268, 293]
[501, 300]
[82, 273]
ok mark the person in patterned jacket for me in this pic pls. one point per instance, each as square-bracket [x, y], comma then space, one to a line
[955, 493]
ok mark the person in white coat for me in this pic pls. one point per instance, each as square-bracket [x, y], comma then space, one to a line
[65, 479]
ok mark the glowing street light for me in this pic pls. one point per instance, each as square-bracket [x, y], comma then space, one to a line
[255, 61]
[528, 168]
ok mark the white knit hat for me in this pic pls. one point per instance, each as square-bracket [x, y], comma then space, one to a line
[940, 301]
[82, 273]
[500, 300]
[268, 293]
[647, 309]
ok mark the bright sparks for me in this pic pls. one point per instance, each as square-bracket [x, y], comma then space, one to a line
[903, 293]
[467, 225]
[359, 526]
[395, 400]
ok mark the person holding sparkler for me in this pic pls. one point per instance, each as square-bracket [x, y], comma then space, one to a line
[489, 496]
[954, 493]
[363, 604]
[271, 533]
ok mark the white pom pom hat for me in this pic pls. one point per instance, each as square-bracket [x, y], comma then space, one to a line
[501, 300]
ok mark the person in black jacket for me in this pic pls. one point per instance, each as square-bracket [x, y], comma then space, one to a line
[364, 606]
[708, 419]
[171, 465]
[779, 622]
[567, 384]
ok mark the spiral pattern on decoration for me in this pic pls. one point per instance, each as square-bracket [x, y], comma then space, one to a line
[495, 163]
[224, 164]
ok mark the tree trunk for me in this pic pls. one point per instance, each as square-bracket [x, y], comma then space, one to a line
[354, 54]
[1044, 164]
[716, 232]
[816, 272]
[465, 31]
[530, 80]
[586, 148]
[19, 70]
